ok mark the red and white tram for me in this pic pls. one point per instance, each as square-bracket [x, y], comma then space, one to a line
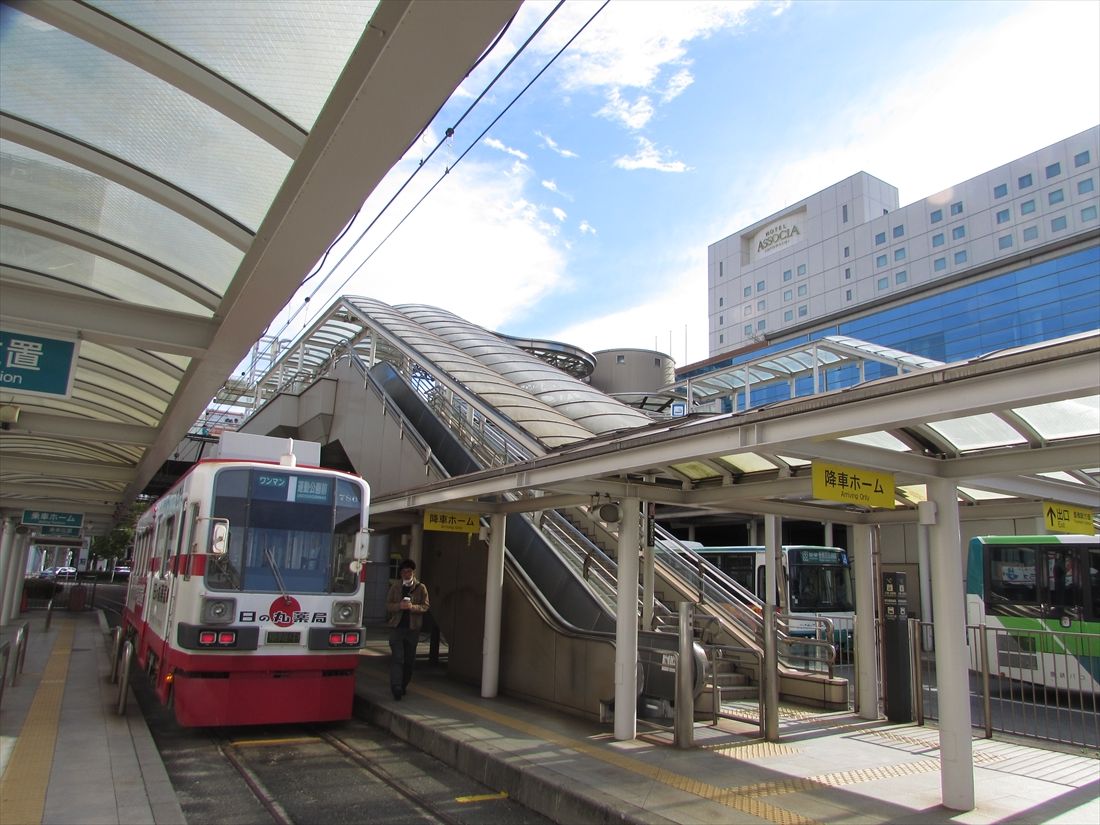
[245, 602]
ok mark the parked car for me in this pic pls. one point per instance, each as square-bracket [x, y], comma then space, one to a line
[122, 572]
[58, 573]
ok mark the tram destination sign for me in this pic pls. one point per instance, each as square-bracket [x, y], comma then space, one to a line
[36, 365]
[56, 532]
[45, 518]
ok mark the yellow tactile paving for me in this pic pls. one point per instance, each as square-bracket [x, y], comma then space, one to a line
[23, 786]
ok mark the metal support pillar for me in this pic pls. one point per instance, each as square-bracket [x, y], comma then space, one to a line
[952, 677]
[770, 683]
[8, 566]
[494, 591]
[684, 729]
[626, 623]
[867, 677]
[649, 578]
[924, 563]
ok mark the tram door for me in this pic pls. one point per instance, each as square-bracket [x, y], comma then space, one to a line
[1061, 589]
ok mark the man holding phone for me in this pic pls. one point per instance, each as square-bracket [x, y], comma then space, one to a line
[406, 602]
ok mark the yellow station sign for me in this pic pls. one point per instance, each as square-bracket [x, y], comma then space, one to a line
[451, 521]
[1067, 518]
[853, 485]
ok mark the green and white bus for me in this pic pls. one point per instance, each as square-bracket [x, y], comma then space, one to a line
[1039, 599]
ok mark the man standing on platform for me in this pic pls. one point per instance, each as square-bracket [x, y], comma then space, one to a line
[407, 602]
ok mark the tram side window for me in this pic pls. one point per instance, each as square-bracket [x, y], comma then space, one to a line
[1012, 576]
[1063, 580]
[165, 535]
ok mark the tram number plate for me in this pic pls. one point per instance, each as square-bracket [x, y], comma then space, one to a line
[284, 637]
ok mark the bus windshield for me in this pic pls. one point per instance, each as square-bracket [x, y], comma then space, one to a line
[819, 584]
[288, 531]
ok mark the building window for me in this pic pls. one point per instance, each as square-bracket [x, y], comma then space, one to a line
[1024, 181]
[1031, 233]
[1085, 185]
[1000, 190]
[719, 269]
[936, 216]
[788, 315]
[747, 292]
[760, 306]
[788, 295]
[847, 251]
[847, 295]
[960, 256]
[940, 264]
[803, 311]
[1088, 213]
[801, 290]
[880, 260]
[721, 301]
[721, 340]
[880, 238]
[844, 213]
[899, 230]
[899, 254]
[937, 239]
[1055, 197]
[801, 270]
[883, 283]
[958, 233]
[748, 330]
[721, 320]
[1080, 159]
[901, 277]
[957, 208]
[1053, 170]
[1004, 215]
[759, 286]
[620, 359]
[1058, 224]
[760, 324]
[1004, 242]
[748, 310]
[1027, 207]
[847, 273]
[656, 362]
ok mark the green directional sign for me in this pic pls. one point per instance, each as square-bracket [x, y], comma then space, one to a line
[35, 365]
[52, 531]
[45, 518]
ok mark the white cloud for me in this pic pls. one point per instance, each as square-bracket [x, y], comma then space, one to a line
[673, 320]
[493, 143]
[649, 157]
[559, 213]
[632, 115]
[549, 184]
[677, 84]
[586, 228]
[458, 247]
[553, 146]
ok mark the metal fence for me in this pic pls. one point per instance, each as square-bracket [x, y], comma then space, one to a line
[1033, 683]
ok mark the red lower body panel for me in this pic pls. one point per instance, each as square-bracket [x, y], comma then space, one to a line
[257, 698]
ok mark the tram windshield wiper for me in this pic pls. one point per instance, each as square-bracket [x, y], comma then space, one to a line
[278, 574]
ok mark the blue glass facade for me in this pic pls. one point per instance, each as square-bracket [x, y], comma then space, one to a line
[1035, 303]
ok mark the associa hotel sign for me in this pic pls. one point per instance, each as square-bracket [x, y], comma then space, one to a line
[776, 236]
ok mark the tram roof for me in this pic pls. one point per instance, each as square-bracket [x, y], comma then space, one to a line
[171, 171]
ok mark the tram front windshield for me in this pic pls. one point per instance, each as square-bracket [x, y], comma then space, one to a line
[820, 582]
[287, 531]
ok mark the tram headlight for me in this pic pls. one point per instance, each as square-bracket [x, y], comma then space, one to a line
[346, 613]
[218, 611]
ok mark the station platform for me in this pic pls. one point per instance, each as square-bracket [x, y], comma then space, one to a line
[67, 758]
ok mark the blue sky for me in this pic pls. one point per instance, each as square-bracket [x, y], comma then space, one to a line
[585, 213]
